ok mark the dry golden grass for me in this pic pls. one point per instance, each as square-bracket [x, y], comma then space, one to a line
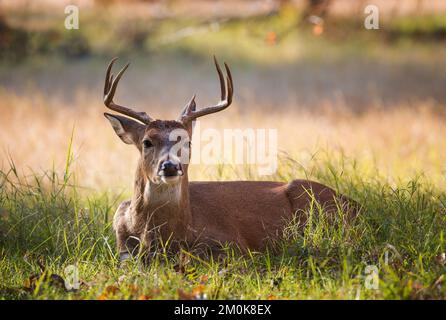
[401, 142]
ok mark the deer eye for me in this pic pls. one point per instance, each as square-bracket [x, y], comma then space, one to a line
[147, 144]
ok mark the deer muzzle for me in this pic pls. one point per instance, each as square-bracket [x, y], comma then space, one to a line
[170, 170]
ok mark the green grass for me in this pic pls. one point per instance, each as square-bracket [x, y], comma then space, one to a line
[49, 223]
[419, 26]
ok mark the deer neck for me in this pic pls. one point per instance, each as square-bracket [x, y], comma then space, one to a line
[165, 207]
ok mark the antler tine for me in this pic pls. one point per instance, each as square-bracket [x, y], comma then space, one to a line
[227, 92]
[221, 78]
[229, 83]
[110, 86]
[108, 78]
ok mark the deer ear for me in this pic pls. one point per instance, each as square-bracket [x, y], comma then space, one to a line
[130, 131]
[191, 106]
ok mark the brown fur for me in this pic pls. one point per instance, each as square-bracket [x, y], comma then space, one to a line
[167, 207]
[245, 213]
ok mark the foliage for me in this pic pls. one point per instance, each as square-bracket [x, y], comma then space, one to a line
[278, 35]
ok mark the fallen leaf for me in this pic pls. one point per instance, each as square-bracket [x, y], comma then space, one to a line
[198, 292]
[108, 292]
[111, 290]
[133, 288]
[45, 276]
[204, 279]
[198, 289]
[51, 279]
[156, 291]
[103, 297]
[182, 295]
[417, 290]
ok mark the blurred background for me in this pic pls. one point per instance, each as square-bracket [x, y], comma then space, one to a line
[308, 68]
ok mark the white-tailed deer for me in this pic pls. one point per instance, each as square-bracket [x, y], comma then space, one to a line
[165, 204]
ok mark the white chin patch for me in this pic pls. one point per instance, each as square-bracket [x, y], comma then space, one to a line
[170, 179]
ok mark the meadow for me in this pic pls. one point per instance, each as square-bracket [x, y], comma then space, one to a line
[365, 117]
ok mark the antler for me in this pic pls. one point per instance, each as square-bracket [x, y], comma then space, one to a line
[189, 113]
[109, 92]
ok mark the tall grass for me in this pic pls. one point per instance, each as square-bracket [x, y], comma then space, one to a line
[389, 160]
[44, 220]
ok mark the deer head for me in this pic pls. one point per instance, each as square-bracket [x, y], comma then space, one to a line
[164, 145]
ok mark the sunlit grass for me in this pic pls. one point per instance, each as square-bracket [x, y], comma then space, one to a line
[398, 144]
[400, 231]
[64, 173]
[59, 192]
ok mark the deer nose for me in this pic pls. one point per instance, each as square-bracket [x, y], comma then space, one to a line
[168, 169]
